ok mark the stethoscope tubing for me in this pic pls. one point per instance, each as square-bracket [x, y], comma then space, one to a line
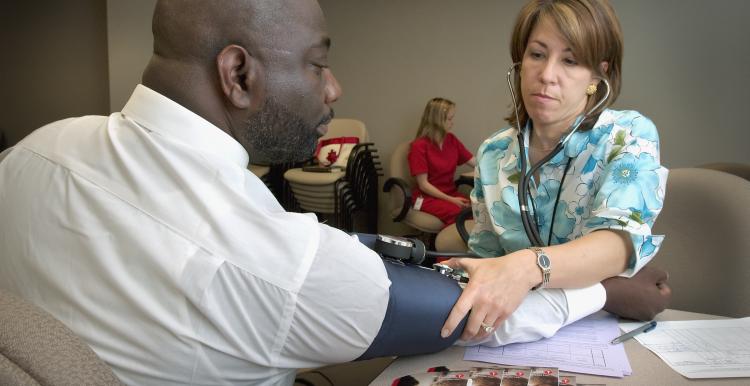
[530, 226]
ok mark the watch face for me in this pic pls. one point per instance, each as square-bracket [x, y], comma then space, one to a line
[543, 261]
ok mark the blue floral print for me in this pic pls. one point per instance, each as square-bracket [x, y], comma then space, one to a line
[615, 181]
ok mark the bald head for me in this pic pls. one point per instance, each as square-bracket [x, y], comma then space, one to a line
[197, 30]
[257, 69]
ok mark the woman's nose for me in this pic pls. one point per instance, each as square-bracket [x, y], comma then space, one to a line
[549, 72]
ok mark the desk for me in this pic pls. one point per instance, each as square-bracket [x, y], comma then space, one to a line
[648, 369]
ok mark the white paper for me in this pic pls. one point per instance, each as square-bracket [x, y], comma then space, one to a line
[581, 347]
[701, 348]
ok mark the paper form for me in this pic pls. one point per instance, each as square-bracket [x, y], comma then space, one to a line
[701, 348]
[581, 347]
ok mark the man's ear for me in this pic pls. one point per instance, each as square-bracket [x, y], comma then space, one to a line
[239, 76]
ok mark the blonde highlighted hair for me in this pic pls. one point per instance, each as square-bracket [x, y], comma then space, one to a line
[593, 31]
[433, 120]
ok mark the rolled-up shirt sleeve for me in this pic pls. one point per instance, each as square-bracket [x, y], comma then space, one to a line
[543, 313]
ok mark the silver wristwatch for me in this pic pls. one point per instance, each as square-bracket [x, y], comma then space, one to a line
[542, 260]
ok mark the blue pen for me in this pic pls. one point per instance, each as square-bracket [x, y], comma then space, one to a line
[642, 329]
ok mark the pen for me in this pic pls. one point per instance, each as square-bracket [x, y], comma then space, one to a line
[644, 328]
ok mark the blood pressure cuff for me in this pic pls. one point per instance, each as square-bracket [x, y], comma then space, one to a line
[419, 303]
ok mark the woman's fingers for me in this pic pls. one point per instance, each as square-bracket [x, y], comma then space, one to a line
[491, 295]
[459, 311]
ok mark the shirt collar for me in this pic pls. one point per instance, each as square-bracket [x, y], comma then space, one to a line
[575, 145]
[162, 115]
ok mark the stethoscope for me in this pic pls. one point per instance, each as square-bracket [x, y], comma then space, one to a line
[530, 224]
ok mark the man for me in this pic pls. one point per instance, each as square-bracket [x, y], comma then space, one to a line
[145, 234]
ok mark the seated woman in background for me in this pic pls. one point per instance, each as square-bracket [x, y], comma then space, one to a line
[433, 158]
[593, 178]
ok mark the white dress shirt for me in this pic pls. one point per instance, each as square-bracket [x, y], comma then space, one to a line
[146, 235]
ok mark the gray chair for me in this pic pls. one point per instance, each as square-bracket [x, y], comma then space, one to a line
[738, 169]
[37, 349]
[454, 237]
[706, 220]
[399, 189]
[399, 186]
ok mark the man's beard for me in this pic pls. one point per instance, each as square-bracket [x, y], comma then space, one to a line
[277, 135]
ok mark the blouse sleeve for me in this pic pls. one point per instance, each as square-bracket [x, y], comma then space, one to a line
[629, 188]
[418, 158]
[483, 240]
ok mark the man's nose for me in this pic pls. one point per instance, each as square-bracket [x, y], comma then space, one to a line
[332, 87]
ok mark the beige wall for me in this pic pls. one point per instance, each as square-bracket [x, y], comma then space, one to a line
[684, 66]
[130, 42]
[53, 63]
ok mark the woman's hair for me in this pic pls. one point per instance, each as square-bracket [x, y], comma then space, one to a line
[593, 31]
[435, 114]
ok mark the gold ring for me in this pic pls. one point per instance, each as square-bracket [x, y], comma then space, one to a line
[487, 327]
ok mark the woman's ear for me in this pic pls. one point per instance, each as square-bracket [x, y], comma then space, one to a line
[239, 77]
[604, 67]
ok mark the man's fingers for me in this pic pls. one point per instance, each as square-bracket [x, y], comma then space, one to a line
[657, 275]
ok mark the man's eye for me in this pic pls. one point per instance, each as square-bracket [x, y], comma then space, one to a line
[319, 67]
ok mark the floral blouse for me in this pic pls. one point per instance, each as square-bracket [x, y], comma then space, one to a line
[614, 181]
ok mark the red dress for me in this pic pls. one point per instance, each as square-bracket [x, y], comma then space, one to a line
[440, 166]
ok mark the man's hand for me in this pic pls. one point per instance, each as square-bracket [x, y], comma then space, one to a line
[640, 297]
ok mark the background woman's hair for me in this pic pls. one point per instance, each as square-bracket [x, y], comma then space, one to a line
[593, 31]
[433, 120]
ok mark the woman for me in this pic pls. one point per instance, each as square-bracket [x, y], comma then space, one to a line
[433, 158]
[593, 203]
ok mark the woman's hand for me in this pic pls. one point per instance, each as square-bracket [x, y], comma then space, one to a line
[496, 287]
[461, 202]
[640, 297]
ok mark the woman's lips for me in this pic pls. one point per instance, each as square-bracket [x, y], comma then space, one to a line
[542, 98]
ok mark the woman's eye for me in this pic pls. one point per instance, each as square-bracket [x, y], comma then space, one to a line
[536, 55]
[570, 62]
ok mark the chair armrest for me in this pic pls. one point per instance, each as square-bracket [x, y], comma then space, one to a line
[406, 191]
[463, 180]
[461, 224]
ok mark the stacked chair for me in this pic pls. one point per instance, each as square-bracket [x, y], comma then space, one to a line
[262, 172]
[341, 194]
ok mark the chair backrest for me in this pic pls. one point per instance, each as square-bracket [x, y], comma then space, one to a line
[738, 169]
[399, 168]
[37, 349]
[346, 127]
[706, 220]
[400, 163]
